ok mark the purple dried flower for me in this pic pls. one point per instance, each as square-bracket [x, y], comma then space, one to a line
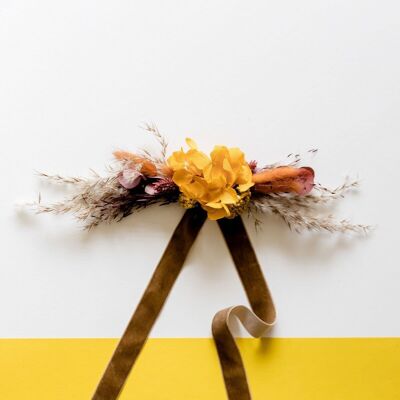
[253, 165]
[162, 185]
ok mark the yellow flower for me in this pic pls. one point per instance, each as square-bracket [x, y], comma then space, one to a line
[217, 182]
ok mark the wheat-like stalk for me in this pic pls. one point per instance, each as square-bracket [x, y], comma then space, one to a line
[153, 130]
[303, 212]
[63, 179]
[101, 199]
[292, 160]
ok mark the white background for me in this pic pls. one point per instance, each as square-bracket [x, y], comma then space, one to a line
[77, 78]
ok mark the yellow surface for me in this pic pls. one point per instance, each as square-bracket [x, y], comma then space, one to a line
[188, 369]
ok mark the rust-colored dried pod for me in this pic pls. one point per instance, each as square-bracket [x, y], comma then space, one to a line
[147, 167]
[284, 180]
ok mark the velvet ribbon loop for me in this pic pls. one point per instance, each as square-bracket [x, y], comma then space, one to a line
[257, 321]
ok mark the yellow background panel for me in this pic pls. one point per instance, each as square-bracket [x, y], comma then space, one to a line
[175, 369]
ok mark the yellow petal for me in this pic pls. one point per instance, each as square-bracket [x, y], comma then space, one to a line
[244, 175]
[245, 187]
[236, 157]
[219, 154]
[244, 179]
[191, 143]
[194, 190]
[215, 214]
[213, 195]
[199, 159]
[227, 165]
[229, 173]
[182, 177]
[176, 160]
[229, 196]
[207, 172]
[215, 176]
[214, 205]
[226, 210]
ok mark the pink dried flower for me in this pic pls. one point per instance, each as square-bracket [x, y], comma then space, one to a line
[151, 189]
[129, 178]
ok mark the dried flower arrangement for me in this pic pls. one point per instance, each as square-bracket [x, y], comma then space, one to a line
[221, 186]
[224, 185]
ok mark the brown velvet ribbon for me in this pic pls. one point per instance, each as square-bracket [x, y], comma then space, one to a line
[257, 322]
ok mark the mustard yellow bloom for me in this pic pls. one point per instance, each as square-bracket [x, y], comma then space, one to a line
[215, 182]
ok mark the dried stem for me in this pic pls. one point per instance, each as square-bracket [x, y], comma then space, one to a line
[63, 179]
[152, 129]
[292, 160]
[301, 212]
[102, 200]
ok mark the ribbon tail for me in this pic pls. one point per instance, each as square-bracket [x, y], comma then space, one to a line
[150, 305]
[257, 321]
